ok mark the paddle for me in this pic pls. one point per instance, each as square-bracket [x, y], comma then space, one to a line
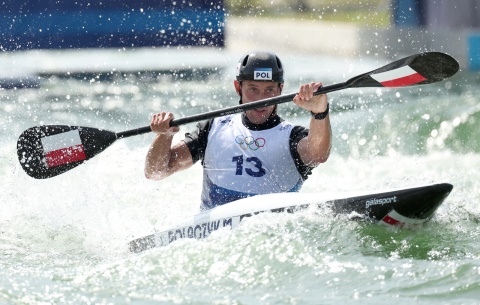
[49, 150]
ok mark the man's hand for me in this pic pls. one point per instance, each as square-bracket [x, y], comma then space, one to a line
[306, 100]
[160, 123]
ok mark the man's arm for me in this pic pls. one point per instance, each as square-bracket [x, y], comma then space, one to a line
[315, 148]
[163, 159]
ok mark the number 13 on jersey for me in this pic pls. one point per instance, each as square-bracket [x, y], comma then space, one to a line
[258, 170]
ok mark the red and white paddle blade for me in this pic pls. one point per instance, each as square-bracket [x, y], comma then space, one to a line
[49, 150]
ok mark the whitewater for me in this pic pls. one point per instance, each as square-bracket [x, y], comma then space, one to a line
[64, 240]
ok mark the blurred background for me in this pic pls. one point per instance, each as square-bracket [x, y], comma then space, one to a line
[381, 28]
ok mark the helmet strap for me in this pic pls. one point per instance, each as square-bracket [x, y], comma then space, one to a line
[238, 88]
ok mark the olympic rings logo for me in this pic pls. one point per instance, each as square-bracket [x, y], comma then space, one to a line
[250, 142]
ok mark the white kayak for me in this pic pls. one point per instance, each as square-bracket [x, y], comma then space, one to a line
[395, 207]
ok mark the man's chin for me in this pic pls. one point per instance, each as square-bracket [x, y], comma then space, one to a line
[257, 119]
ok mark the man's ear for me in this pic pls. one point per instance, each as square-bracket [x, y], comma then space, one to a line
[238, 87]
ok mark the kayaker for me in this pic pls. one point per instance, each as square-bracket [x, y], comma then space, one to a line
[249, 153]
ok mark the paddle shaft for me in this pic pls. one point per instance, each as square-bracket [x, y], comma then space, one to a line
[419, 69]
[231, 110]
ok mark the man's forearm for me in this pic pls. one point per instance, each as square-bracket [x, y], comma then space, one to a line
[158, 157]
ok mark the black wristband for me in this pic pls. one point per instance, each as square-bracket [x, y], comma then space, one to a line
[321, 115]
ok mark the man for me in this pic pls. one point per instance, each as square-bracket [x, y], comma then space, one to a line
[250, 153]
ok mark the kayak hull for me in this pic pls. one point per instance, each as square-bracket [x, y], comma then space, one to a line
[396, 207]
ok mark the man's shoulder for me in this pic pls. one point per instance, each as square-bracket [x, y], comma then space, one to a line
[298, 131]
[295, 129]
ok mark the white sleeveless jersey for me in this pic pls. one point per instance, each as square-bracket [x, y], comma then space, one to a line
[240, 162]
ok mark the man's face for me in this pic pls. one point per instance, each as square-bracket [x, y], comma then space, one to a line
[252, 91]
